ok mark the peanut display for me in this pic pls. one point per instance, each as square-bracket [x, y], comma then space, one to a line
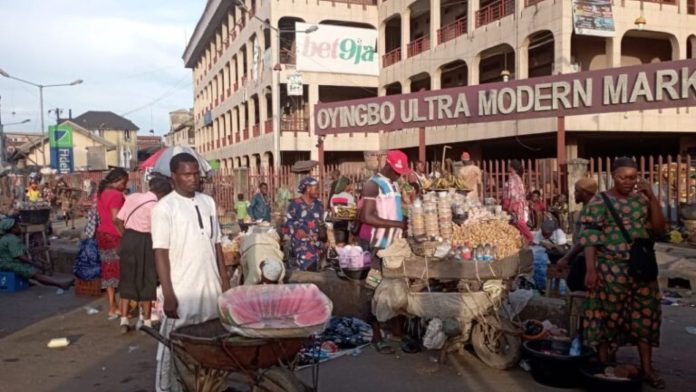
[506, 238]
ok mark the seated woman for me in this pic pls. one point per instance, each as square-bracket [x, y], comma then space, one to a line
[14, 258]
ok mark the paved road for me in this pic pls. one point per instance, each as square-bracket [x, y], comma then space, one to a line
[99, 359]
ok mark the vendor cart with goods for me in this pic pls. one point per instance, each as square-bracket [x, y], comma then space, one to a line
[259, 333]
[455, 271]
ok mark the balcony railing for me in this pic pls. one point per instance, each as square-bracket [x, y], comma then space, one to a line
[268, 126]
[229, 139]
[668, 2]
[691, 7]
[451, 31]
[358, 2]
[294, 124]
[245, 133]
[256, 130]
[392, 57]
[494, 11]
[237, 137]
[418, 46]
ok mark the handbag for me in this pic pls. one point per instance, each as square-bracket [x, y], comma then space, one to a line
[87, 263]
[642, 264]
[576, 276]
[92, 224]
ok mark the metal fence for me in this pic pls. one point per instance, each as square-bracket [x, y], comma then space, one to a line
[673, 179]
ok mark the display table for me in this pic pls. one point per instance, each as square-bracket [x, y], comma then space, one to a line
[43, 246]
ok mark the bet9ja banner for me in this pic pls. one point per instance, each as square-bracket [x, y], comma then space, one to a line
[60, 140]
[337, 49]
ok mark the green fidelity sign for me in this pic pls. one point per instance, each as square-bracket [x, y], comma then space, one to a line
[60, 136]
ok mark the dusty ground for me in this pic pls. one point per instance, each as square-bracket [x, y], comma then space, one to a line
[99, 359]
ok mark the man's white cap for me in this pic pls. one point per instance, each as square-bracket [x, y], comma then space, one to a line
[272, 269]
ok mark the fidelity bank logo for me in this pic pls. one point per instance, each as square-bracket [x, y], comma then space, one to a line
[348, 49]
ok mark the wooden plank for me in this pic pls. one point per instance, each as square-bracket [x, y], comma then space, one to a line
[417, 268]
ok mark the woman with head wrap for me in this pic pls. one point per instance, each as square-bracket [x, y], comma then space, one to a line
[515, 199]
[304, 219]
[621, 309]
[110, 199]
[14, 258]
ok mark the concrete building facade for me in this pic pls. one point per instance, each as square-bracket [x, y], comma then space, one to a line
[242, 57]
[436, 44]
[181, 130]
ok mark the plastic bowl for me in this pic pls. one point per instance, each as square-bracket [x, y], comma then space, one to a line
[551, 365]
[600, 384]
[356, 273]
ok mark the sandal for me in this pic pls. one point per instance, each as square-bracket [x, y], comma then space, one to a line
[655, 381]
[383, 348]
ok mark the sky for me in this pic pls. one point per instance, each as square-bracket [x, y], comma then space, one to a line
[128, 52]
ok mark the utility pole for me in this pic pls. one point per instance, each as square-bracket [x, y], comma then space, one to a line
[58, 112]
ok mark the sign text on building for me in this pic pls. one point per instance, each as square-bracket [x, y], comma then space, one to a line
[337, 49]
[651, 86]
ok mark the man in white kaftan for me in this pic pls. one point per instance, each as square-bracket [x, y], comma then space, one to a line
[186, 238]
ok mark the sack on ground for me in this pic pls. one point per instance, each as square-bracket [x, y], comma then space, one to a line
[389, 299]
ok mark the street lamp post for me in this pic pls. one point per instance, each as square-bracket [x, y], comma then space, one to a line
[3, 152]
[41, 102]
[276, 81]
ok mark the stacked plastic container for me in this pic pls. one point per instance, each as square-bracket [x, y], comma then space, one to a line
[444, 215]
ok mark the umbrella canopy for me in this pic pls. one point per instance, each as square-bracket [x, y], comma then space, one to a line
[162, 164]
[150, 162]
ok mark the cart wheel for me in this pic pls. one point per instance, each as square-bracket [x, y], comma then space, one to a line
[279, 379]
[495, 348]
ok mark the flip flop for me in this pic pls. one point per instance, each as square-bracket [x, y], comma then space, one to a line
[654, 381]
[113, 316]
[383, 348]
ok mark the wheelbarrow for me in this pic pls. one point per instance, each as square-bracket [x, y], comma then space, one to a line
[211, 354]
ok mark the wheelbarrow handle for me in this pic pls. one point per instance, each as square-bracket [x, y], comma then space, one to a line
[156, 335]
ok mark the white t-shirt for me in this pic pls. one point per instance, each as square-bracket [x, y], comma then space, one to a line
[557, 238]
[189, 229]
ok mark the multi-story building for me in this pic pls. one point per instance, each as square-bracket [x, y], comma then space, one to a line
[436, 44]
[253, 100]
[181, 131]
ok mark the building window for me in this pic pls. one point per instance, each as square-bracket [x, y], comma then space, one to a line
[126, 135]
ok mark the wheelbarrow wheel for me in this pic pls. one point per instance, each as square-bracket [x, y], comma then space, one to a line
[279, 379]
[495, 348]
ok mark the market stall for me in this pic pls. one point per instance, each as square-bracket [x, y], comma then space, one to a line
[455, 271]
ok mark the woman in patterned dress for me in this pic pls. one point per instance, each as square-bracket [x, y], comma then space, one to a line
[515, 199]
[304, 219]
[621, 310]
[110, 200]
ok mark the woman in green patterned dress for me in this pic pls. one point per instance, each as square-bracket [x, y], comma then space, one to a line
[620, 310]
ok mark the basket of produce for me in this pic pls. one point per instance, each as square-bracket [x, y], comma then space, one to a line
[423, 247]
[345, 213]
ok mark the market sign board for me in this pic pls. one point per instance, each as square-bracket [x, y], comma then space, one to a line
[60, 142]
[593, 17]
[642, 87]
[337, 49]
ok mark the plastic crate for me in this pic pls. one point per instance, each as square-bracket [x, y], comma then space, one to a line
[88, 288]
[10, 282]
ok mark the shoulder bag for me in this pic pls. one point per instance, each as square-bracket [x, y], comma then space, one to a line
[642, 264]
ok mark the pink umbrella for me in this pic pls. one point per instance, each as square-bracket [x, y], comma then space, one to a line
[150, 162]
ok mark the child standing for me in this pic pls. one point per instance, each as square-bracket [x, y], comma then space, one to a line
[241, 208]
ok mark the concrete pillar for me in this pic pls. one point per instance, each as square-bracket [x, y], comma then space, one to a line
[263, 112]
[471, 8]
[561, 52]
[436, 79]
[692, 40]
[405, 32]
[406, 86]
[242, 121]
[313, 98]
[245, 161]
[614, 52]
[382, 43]
[473, 68]
[678, 48]
[434, 22]
[522, 60]
[252, 163]
[251, 107]
[265, 161]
